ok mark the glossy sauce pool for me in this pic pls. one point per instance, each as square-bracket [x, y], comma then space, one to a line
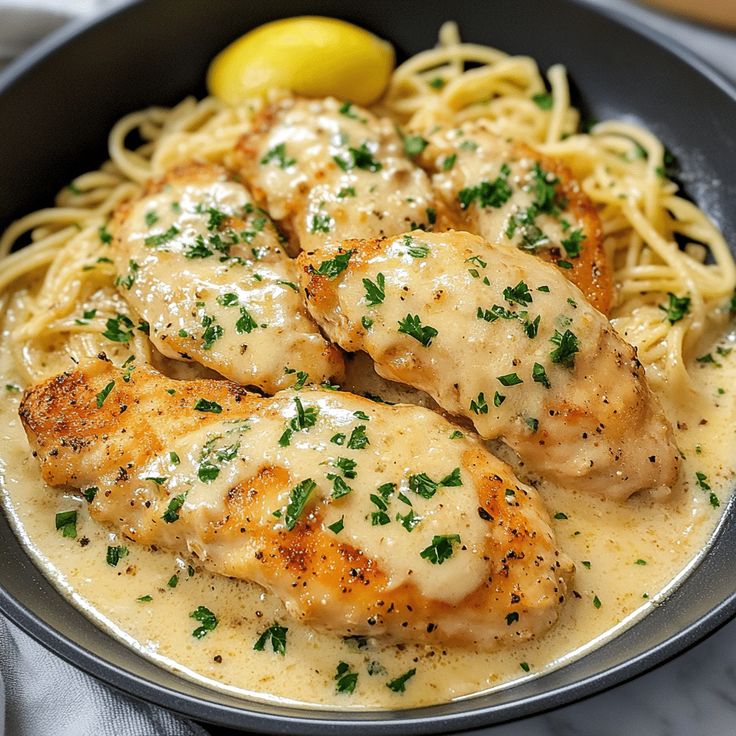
[627, 555]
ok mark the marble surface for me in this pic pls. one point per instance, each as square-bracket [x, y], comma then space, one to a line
[693, 695]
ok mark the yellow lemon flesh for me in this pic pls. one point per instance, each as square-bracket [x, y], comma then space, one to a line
[310, 56]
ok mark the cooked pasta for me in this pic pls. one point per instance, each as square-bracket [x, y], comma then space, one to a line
[659, 242]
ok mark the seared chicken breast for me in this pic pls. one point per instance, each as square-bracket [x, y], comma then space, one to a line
[502, 338]
[511, 194]
[205, 268]
[328, 170]
[366, 519]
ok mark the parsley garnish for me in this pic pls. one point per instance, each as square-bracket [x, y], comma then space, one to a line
[276, 634]
[414, 144]
[677, 307]
[440, 549]
[346, 680]
[409, 520]
[449, 162]
[479, 405]
[567, 345]
[539, 375]
[412, 325]
[334, 266]
[172, 511]
[518, 294]
[90, 493]
[100, 398]
[338, 526]
[115, 554]
[543, 101]
[278, 155]
[162, 238]
[297, 501]
[66, 522]
[510, 379]
[208, 406]
[360, 158]
[375, 293]
[398, 685]
[423, 485]
[358, 439]
[128, 280]
[115, 329]
[206, 618]
[245, 324]
[488, 193]
[573, 242]
[320, 223]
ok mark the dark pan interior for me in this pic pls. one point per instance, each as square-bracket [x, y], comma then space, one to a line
[57, 108]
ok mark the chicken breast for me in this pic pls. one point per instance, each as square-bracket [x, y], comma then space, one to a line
[329, 170]
[205, 268]
[502, 338]
[366, 519]
[511, 194]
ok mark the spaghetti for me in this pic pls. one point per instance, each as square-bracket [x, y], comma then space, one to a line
[60, 291]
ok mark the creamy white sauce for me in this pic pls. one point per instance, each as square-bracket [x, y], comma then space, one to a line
[609, 542]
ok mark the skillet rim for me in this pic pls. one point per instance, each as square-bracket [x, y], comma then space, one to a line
[418, 720]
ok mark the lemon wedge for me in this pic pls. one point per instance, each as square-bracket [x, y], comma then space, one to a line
[309, 55]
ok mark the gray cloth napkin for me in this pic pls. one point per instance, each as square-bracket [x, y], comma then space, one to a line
[41, 695]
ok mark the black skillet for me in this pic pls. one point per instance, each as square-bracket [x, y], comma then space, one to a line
[56, 108]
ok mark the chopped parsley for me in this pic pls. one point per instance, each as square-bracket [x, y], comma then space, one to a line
[338, 526]
[162, 238]
[567, 345]
[115, 554]
[375, 292]
[346, 680]
[398, 685]
[412, 325]
[449, 162]
[320, 223]
[440, 549]
[334, 266]
[510, 379]
[206, 618]
[129, 280]
[596, 601]
[676, 308]
[414, 144]
[358, 439]
[205, 405]
[409, 520]
[145, 599]
[115, 329]
[100, 398]
[298, 498]
[105, 235]
[479, 405]
[90, 493]
[518, 294]
[172, 510]
[276, 635]
[488, 193]
[572, 243]
[359, 158]
[543, 101]
[277, 155]
[539, 375]
[66, 523]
